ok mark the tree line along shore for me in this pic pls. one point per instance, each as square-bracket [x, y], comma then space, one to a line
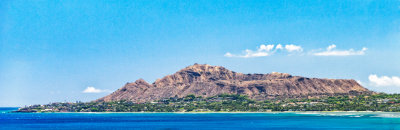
[232, 103]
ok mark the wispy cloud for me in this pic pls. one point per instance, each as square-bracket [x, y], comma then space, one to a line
[265, 50]
[268, 50]
[332, 51]
[91, 89]
[384, 80]
[293, 48]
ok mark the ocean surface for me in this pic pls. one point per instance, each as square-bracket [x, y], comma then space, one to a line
[280, 120]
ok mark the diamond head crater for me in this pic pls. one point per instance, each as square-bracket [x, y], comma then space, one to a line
[208, 88]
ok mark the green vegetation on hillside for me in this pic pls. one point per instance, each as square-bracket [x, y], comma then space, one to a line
[232, 103]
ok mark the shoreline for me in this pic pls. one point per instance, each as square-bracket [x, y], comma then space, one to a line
[218, 112]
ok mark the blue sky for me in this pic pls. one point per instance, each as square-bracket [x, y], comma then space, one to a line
[52, 51]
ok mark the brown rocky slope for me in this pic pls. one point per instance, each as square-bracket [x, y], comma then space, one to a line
[206, 80]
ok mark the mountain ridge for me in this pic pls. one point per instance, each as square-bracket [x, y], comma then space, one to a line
[206, 80]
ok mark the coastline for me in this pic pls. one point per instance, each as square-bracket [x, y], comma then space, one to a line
[230, 112]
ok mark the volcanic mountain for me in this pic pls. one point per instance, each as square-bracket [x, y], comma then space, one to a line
[206, 80]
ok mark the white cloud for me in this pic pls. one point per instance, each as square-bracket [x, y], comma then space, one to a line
[292, 48]
[359, 82]
[265, 50]
[266, 47]
[228, 54]
[279, 47]
[331, 51]
[384, 80]
[331, 47]
[258, 53]
[91, 89]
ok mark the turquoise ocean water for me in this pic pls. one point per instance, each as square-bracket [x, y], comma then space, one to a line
[296, 120]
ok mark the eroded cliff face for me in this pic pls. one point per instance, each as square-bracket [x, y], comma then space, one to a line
[206, 80]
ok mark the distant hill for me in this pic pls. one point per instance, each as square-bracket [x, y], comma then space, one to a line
[206, 80]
